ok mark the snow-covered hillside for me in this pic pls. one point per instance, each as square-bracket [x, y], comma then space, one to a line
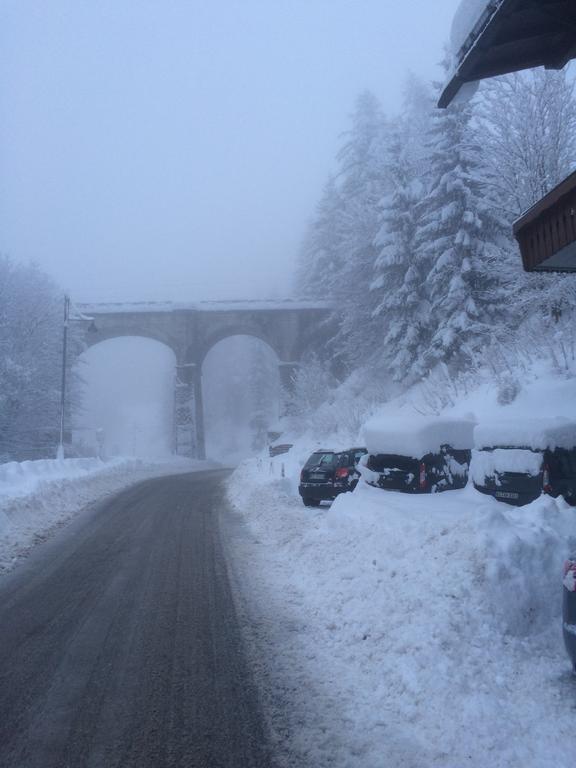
[413, 630]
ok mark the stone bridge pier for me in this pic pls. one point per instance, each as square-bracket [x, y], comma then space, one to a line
[290, 328]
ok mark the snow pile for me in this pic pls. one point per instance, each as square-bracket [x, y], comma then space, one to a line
[416, 436]
[536, 434]
[39, 497]
[410, 630]
[488, 463]
[21, 478]
[524, 551]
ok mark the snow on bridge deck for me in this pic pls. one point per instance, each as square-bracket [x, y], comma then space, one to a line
[202, 306]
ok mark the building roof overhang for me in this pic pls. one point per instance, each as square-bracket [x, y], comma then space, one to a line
[511, 35]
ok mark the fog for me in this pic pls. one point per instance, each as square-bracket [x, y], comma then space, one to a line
[127, 403]
[175, 151]
[241, 397]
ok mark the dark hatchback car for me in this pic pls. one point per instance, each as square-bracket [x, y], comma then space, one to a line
[515, 462]
[328, 473]
[425, 455]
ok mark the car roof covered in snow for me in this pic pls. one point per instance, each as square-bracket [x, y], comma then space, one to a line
[416, 436]
[536, 434]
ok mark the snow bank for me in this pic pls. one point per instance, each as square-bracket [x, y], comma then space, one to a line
[415, 436]
[21, 478]
[536, 434]
[39, 497]
[410, 630]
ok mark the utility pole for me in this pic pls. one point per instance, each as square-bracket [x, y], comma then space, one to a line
[79, 317]
[60, 453]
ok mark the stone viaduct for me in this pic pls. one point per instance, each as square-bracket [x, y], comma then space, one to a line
[290, 328]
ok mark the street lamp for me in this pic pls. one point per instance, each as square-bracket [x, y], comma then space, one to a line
[92, 329]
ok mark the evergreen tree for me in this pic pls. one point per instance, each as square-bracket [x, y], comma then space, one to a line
[31, 362]
[460, 239]
[363, 184]
[320, 258]
[397, 296]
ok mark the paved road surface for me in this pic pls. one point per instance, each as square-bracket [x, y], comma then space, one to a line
[119, 644]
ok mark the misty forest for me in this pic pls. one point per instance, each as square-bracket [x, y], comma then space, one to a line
[410, 244]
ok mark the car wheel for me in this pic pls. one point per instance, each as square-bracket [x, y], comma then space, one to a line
[310, 502]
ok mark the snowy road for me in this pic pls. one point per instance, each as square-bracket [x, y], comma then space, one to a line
[119, 643]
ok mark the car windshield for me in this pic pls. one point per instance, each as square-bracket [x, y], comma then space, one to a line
[389, 461]
[321, 459]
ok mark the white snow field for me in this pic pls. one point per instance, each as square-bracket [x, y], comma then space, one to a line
[39, 497]
[411, 630]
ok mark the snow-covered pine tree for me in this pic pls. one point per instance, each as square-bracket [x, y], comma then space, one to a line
[460, 239]
[362, 185]
[30, 362]
[319, 264]
[397, 293]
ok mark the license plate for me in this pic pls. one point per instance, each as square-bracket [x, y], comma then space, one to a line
[506, 495]
[316, 476]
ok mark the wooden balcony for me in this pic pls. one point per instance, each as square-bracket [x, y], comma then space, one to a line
[546, 233]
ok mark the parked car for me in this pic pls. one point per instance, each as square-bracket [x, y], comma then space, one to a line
[328, 473]
[569, 609]
[418, 455]
[516, 461]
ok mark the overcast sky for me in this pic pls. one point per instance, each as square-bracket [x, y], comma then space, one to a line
[174, 149]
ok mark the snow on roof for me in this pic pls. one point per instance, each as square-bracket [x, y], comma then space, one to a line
[416, 436]
[537, 434]
[467, 16]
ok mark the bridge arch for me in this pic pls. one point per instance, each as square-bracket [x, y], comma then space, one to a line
[230, 332]
[128, 396]
[241, 395]
[289, 327]
[92, 339]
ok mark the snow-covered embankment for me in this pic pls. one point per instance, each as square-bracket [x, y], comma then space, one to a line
[38, 497]
[410, 630]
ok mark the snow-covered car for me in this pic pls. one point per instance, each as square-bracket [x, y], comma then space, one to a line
[417, 454]
[516, 461]
[569, 608]
[328, 473]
